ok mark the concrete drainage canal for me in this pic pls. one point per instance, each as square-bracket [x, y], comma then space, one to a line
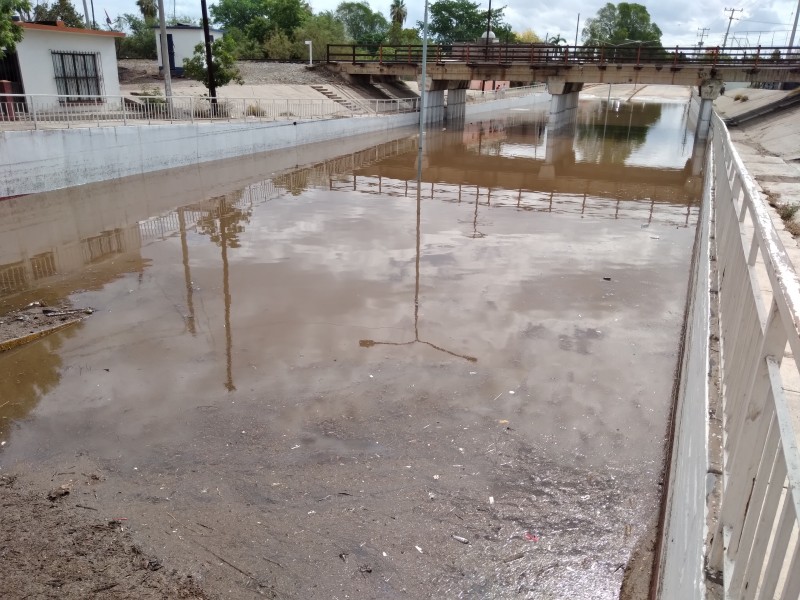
[324, 384]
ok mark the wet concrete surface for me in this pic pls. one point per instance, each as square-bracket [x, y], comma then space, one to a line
[304, 388]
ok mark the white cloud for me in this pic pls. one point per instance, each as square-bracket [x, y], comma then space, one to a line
[768, 21]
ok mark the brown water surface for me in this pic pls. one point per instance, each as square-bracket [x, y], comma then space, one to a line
[321, 379]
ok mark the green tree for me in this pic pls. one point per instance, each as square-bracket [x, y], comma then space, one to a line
[237, 13]
[10, 32]
[60, 9]
[224, 61]
[278, 46]
[398, 12]
[140, 41]
[462, 21]
[287, 15]
[362, 24]
[398, 36]
[322, 29]
[149, 10]
[283, 15]
[529, 36]
[625, 22]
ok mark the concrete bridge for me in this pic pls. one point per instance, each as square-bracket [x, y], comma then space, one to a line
[565, 69]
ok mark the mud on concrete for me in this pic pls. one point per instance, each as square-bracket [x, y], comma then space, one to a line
[51, 548]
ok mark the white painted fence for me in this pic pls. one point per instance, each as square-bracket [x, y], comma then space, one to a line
[755, 539]
[36, 111]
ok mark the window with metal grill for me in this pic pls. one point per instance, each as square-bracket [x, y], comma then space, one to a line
[78, 75]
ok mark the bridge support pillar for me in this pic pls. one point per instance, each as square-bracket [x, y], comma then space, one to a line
[457, 101]
[709, 91]
[563, 103]
[434, 104]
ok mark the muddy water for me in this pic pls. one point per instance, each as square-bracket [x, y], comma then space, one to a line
[307, 385]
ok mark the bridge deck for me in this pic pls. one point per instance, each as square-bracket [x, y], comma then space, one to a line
[524, 62]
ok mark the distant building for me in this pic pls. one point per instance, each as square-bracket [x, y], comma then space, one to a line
[55, 59]
[181, 40]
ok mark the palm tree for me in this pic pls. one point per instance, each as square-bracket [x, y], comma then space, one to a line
[398, 12]
[148, 8]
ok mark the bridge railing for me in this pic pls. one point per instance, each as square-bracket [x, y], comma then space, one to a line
[34, 111]
[551, 55]
[755, 539]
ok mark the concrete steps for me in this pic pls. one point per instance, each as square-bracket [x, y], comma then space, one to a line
[333, 95]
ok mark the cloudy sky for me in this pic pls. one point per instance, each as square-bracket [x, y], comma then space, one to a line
[766, 22]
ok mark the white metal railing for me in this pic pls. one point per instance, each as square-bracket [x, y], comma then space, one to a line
[34, 111]
[755, 539]
[516, 92]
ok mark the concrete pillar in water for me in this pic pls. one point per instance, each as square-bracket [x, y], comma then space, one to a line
[434, 104]
[456, 105]
[563, 103]
[709, 91]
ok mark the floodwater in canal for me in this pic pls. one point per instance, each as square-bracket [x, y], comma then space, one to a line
[306, 381]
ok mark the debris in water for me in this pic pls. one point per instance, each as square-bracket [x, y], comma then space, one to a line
[606, 278]
[503, 421]
[516, 556]
[531, 537]
[491, 499]
[436, 477]
[458, 538]
[512, 392]
[418, 549]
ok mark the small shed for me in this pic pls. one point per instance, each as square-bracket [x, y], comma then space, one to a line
[181, 40]
[54, 59]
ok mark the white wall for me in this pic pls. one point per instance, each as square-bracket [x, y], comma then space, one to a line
[36, 61]
[38, 161]
[681, 568]
[505, 104]
[184, 41]
[43, 160]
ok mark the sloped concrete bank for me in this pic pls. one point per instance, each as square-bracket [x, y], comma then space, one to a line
[45, 160]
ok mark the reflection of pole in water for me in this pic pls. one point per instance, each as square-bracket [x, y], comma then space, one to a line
[187, 274]
[226, 294]
[371, 343]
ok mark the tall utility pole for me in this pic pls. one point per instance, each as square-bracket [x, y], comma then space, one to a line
[730, 20]
[578, 24]
[212, 88]
[702, 33]
[794, 27]
[166, 67]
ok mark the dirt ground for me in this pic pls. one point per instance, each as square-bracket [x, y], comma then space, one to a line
[34, 321]
[137, 71]
[49, 549]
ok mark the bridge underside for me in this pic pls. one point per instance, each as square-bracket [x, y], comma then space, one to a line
[656, 74]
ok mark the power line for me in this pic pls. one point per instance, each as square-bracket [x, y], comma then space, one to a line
[730, 20]
[702, 32]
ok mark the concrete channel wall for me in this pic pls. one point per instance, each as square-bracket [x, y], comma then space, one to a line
[681, 571]
[44, 160]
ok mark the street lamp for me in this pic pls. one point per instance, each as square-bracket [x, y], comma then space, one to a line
[310, 53]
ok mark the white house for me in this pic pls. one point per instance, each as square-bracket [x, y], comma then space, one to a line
[56, 59]
[181, 40]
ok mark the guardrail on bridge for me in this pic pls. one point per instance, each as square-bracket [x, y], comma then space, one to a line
[545, 55]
